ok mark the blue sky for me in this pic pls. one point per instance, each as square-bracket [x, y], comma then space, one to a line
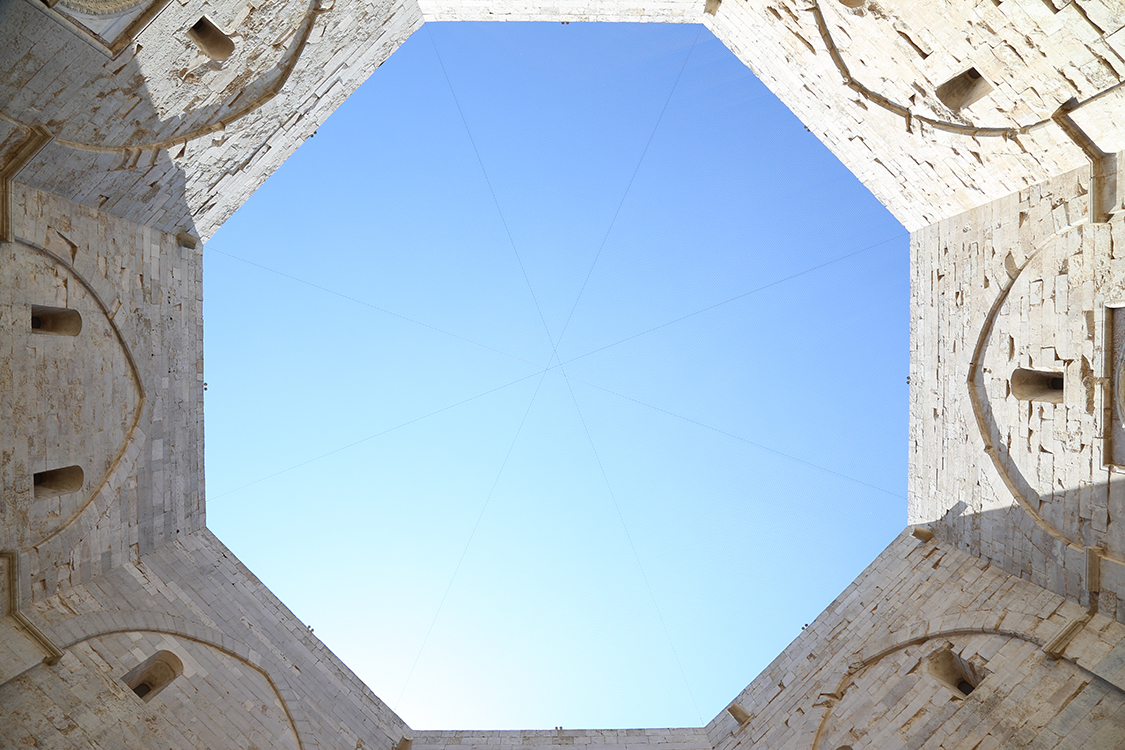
[560, 379]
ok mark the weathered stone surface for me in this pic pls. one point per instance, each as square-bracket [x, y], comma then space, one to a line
[991, 129]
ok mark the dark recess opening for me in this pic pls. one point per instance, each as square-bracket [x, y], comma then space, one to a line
[214, 43]
[1038, 385]
[58, 321]
[155, 673]
[57, 481]
[963, 89]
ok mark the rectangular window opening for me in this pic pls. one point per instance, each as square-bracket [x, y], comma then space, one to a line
[211, 40]
[963, 89]
[1038, 385]
[57, 482]
[57, 321]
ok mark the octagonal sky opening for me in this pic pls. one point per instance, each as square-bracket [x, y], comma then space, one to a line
[625, 539]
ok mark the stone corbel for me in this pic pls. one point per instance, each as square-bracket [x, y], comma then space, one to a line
[11, 560]
[10, 165]
[1103, 166]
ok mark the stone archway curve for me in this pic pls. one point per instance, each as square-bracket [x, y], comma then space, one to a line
[75, 630]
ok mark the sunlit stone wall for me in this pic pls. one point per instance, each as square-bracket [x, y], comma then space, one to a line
[1025, 479]
[934, 648]
[163, 135]
[990, 129]
[253, 675]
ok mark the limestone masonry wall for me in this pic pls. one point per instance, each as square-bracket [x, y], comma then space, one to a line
[162, 135]
[588, 739]
[866, 673]
[869, 671]
[1021, 284]
[123, 399]
[252, 672]
[129, 131]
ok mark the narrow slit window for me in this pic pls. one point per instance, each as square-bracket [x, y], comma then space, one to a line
[1038, 385]
[957, 675]
[963, 89]
[154, 674]
[214, 43]
[740, 714]
[57, 482]
[57, 321]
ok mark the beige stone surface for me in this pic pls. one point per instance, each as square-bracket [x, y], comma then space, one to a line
[123, 399]
[122, 144]
[170, 139]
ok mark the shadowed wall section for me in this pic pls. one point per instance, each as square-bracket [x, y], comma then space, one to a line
[205, 133]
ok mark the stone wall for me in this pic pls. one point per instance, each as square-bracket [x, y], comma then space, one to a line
[253, 674]
[930, 647]
[1004, 630]
[123, 399]
[161, 135]
[868, 673]
[580, 739]
[1021, 284]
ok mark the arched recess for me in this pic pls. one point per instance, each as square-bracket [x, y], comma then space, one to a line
[106, 462]
[202, 650]
[957, 629]
[181, 39]
[155, 673]
[988, 383]
[1046, 386]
